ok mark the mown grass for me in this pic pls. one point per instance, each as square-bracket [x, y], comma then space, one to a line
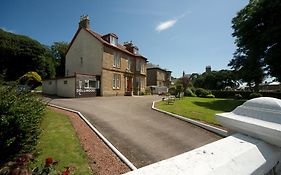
[59, 141]
[202, 109]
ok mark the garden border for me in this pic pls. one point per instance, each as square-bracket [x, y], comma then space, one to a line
[107, 142]
[213, 129]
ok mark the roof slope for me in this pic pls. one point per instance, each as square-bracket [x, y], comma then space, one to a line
[99, 37]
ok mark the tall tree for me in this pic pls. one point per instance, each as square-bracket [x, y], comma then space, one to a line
[20, 54]
[59, 51]
[257, 30]
[215, 80]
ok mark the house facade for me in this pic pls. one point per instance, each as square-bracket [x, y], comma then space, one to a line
[158, 79]
[122, 70]
[97, 65]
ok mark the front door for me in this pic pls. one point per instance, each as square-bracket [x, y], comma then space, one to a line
[129, 86]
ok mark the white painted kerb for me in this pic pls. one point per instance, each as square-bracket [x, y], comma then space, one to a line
[113, 148]
[213, 129]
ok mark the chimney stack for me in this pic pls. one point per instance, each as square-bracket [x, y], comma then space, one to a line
[84, 22]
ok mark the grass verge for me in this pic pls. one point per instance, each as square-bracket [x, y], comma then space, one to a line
[202, 109]
[59, 141]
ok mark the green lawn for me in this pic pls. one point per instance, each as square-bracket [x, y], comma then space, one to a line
[59, 141]
[203, 109]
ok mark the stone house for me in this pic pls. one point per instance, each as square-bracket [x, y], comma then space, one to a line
[158, 79]
[119, 69]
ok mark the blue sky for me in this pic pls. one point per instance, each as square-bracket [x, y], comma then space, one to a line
[176, 34]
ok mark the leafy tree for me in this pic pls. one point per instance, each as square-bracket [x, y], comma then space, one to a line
[257, 29]
[58, 50]
[215, 80]
[20, 54]
[184, 81]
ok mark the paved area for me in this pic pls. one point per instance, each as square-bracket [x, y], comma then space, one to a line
[143, 135]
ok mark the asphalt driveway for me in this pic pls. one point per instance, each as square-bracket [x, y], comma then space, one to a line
[143, 135]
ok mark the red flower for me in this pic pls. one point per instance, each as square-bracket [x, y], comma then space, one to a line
[66, 171]
[49, 161]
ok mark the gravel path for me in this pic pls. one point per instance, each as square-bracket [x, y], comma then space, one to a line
[101, 159]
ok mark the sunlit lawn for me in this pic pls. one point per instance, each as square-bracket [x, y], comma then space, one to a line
[203, 109]
[59, 141]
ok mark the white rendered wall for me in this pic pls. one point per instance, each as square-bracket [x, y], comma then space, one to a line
[49, 87]
[66, 90]
[84, 55]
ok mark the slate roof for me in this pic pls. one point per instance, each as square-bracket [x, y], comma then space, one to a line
[99, 37]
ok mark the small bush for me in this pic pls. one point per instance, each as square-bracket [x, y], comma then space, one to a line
[200, 92]
[189, 93]
[147, 91]
[21, 114]
[31, 79]
[210, 96]
[172, 90]
[238, 96]
[255, 95]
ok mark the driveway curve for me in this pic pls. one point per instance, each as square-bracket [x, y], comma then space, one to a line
[143, 135]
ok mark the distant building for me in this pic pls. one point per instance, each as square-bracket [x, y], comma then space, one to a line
[208, 69]
[158, 79]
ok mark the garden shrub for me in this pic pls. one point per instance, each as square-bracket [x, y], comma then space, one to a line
[31, 79]
[200, 92]
[238, 96]
[255, 95]
[21, 114]
[172, 90]
[210, 96]
[189, 93]
[244, 94]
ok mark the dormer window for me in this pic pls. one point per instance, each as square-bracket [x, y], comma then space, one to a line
[135, 50]
[113, 40]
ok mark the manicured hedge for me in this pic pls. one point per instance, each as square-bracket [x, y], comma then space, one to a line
[244, 94]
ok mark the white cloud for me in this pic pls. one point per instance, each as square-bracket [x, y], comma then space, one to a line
[165, 25]
[170, 23]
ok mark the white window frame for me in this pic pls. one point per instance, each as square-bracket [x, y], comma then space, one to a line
[116, 81]
[116, 60]
[129, 66]
[87, 84]
[113, 41]
[142, 69]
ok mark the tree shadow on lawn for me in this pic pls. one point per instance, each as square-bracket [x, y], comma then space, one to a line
[225, 105]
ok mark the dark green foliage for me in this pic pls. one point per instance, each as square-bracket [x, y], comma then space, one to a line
[21, 114]
[255, 95]
[200, 92]
[215, 80]
[238, 96]
[20, 54]
[172, 90]
[179, 88]
[58, 50]
[244, 94]
[189, 93]
[257, 30]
